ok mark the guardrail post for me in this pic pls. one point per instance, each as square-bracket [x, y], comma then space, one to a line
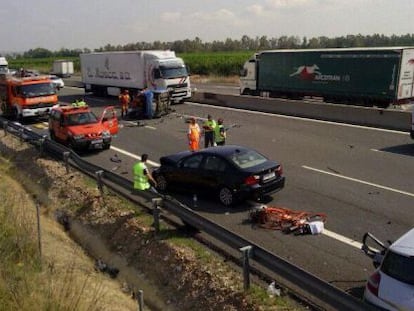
[98, 175]
[39, 238]
[156, 203]
[21, 132]
[246, 266]
[5, 126]
[140, 299]
[41, 144]
[66, 155]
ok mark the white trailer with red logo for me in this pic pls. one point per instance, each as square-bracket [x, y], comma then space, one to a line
[107, 73]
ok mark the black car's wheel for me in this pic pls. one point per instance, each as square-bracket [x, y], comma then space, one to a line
[226, 196]
[162, 183]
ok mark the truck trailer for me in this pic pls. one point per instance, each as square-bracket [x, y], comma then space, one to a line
[62, 68]
[358, 76]
[107, 73]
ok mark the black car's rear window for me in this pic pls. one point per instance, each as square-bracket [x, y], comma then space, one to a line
[399, 267]
[248, 158]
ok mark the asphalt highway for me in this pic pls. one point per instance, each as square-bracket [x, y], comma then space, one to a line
[361, 178]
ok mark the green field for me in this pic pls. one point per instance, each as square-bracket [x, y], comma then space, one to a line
[203, 63]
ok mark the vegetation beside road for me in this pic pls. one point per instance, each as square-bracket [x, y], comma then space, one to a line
[63, 277]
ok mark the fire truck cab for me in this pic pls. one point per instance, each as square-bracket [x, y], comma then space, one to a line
[26, 97]
[80, 129]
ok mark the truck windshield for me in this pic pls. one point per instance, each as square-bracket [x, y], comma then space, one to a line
[34, 90]
[173, 72]
[81, 118]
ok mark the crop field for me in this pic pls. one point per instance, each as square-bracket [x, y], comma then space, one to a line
[202, 63]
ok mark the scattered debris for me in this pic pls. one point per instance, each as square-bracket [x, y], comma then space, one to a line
[103, 267]
[272, 290]
[116, 159]
[288, 221]
[63, 218]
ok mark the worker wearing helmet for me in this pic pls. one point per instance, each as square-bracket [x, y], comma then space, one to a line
[124, 100]
[220, 133]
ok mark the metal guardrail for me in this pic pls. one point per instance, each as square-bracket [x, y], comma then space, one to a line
[333, 297]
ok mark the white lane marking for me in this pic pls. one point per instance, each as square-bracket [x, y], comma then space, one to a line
[152, 163]
[302, 119]
[342, 238]
[376, 150]
[359, 181]
[150, 127]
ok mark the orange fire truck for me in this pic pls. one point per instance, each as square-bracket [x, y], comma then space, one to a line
[26, 97]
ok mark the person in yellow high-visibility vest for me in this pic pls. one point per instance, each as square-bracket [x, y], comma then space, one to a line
[142, 176]
[208, 127]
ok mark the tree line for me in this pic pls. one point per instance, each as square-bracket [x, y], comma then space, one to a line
[246, 43]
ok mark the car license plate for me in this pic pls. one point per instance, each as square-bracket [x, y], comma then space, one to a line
[268, 176]
[97, 143]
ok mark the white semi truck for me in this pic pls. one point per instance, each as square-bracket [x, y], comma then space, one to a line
[107, 73]
[4, 65]
[62, 68]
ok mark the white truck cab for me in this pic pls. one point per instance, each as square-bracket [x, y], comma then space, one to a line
[4, 65]
[248, 77]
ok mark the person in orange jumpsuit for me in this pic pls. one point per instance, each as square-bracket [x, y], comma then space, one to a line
[193, 135]
[124, 100]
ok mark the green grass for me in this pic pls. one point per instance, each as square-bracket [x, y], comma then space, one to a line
[201, 63]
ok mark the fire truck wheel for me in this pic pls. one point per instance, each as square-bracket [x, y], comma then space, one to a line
[15, 115]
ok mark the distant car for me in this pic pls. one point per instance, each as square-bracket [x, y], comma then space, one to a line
[232, 173]
[57, 81]
[391, 286]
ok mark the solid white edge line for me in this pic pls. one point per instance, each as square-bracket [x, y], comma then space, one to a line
[342, 239]
[359, 181]
[152, 163]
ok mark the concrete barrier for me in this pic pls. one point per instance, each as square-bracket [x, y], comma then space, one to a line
[375, 117]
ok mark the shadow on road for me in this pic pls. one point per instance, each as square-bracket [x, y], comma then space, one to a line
[407, 149]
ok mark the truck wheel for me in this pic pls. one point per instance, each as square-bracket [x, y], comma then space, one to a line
[15, 115]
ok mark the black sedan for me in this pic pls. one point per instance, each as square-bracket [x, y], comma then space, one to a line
[233, 173]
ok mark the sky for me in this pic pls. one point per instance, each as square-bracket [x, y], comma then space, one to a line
[79, 24]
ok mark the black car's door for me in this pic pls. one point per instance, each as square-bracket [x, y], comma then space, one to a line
[214, 172]
[187, 176]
